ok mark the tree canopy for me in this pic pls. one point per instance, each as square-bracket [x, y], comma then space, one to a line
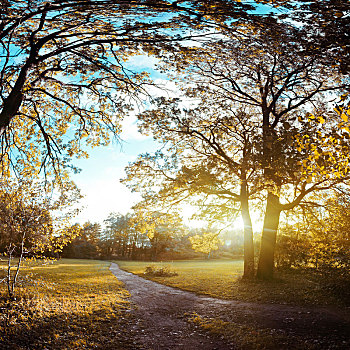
[271, 72]
[64, 82]
[259, 116]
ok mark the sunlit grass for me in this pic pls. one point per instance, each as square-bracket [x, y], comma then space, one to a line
[68, 302]
[222, 279]
[200, 276]
[211, 277]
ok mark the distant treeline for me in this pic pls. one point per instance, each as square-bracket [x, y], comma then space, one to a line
[123, 239]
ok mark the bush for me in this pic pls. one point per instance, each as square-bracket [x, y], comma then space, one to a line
[159, 271]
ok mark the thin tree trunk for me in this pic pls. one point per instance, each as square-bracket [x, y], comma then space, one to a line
[268, 238]
[154, 249]
[133, 250]
[18, 264]
[8, 282]
[248, 234]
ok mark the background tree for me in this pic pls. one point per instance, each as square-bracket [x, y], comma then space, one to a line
[119, 236]
[86, 245]
[206, 243]
[161, 228]
[332, 242]
[30, 226]
[140, 235]
[315, 238]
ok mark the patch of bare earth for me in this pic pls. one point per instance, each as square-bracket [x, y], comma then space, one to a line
[160, 317]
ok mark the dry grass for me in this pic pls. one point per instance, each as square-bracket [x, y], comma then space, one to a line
[79, 304]
[69, 304]
[222, 279]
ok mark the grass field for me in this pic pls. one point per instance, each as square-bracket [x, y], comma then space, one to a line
[222, 279]
[67, 304]
[79, 304]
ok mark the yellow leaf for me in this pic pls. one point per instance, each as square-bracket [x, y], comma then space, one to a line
[321, 120]
[344, 117]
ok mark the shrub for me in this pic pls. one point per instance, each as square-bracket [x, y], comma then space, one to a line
[159, 271]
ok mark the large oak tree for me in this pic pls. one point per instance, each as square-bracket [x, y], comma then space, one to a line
[207, 158]
[290, 92]
[63, 78]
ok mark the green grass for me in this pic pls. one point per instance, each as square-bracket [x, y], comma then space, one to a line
[222, 279]
[67, 304]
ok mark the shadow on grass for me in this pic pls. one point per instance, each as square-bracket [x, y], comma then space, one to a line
[296, 287]
[96, 330]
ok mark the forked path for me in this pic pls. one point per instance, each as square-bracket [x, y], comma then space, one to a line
[161, 317]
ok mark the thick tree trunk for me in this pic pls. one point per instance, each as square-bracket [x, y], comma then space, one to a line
[268, 238]
[248, 234]
[13, 101]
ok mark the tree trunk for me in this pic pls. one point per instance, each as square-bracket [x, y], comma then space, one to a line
[122, 247]
[154, 249]
[13, 101]
[133, 250]
[248, 234]
[273, 208]
[268, 238]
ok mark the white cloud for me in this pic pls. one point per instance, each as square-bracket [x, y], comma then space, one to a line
[161, 87]
[99, 179]
[103, 197]
[130, 130]
[142, 61]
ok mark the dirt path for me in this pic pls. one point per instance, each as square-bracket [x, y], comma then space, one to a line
[161, 313]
